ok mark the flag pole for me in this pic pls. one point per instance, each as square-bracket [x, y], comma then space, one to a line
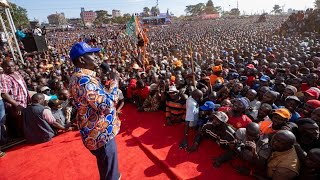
[192, 65]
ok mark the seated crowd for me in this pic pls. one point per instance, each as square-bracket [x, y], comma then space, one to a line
[256, 95]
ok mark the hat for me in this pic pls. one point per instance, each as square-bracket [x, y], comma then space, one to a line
[312, 92]
[135, 66]
[292, 88]
[264, 78]
[293, 98]
[283, 112]
[173, 89]
[44, 88]
[208, 106]
[314, 103]
[153, 87]
[80, 49]
[55, 103]
[217, 68]
[223, 117]
[245, 102]
[250, 66]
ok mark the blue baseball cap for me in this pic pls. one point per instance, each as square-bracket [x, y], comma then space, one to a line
[208, 106]
[264, 78]
[80, 49]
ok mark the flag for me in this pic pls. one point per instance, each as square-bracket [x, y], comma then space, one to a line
[131, 29]
[135, 29]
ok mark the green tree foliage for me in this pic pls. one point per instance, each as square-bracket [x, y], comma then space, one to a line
[202, 8]
[102, 17]
[155, 11]
[19, 15]
[277, 9]
[235, 12]
[195, 10]
[121, 19]
[317, 4]
[146, 11]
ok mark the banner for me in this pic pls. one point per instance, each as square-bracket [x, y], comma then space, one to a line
[131, 29]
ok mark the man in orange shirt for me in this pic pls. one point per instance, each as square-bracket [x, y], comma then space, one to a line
[279, 119]
[216, 76]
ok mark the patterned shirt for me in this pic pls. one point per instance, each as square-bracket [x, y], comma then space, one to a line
[14, 85]
[97, 118]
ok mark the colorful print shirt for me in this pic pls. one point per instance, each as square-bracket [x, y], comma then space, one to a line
[97, 118]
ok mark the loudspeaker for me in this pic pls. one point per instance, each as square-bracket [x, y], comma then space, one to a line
[35, 43]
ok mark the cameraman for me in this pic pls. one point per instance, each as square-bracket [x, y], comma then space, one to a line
[249, 146]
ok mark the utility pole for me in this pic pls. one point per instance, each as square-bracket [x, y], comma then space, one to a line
[237, 4]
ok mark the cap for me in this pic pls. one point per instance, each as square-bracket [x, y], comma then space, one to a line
[217, 68]
[223, 117]
[153, 87]
[264, 78]
[314, 103]
[245, 102]
[250, 66]
[135, 66]
[312, 92]
[208, 106]
[283, 112]
[293, 98]
[292, 88]
[173, 89]
[80, 49]
[44, 88]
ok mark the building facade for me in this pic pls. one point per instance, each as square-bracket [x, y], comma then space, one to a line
[116, 13]
[57, 19]
[88, 17]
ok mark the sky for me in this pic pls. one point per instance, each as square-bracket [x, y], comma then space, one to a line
[40, 9]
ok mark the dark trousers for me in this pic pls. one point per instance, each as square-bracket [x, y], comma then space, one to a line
[107, 160]
[14, 123]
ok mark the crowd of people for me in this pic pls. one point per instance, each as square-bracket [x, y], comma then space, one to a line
[253, 91]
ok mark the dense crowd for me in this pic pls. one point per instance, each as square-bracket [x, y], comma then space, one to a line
[252, 90]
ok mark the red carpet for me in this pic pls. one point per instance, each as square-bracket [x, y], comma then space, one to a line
[147, 150]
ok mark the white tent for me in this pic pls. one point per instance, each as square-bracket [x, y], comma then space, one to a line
[5, 6]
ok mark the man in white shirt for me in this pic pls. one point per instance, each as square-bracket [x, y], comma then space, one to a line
[192, 114]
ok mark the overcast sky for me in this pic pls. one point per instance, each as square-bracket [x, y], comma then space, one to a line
[40, 9]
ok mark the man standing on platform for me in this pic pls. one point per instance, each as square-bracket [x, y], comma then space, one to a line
[97, 116]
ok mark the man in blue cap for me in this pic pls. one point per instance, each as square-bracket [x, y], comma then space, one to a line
[97, 116]
[205, 114]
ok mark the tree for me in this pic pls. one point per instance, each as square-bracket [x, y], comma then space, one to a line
[146, 11]
[235, 12]
[155, 11]
[19, 15]
[195, 10]
[277, 9]
[102, 17]
[317, 4]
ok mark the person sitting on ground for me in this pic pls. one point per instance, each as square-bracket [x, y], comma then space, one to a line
[292, 103]
[58, 114]
[218, 130]
[283, 162]
[206, 112]
[192, 115]
[308, 107]
[237, 117]
[270, 97]
[250, 146]
[152, 103]
[175, 107]
[142, 93]
[311, 167]
[262, 114]
[280, 118]
[308, 134]
[38, 120]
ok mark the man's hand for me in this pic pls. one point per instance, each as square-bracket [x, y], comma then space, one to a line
[19, 109]
[253, 147]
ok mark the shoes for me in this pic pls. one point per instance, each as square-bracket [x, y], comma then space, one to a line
[2, 154]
